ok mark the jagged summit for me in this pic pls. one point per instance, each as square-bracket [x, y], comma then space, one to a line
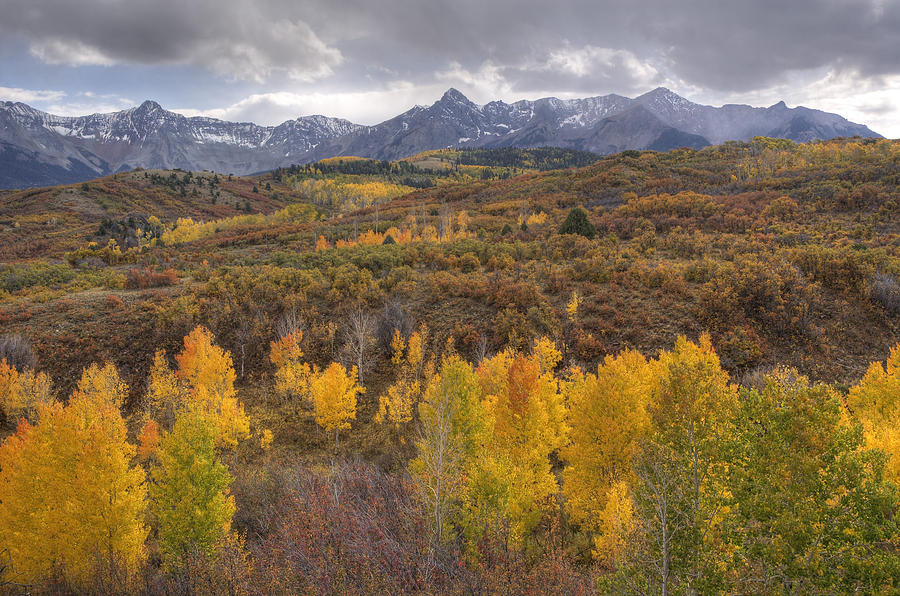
[453, 94]
[67, 149]
[148, 105]
[658, 92]
[454, 100]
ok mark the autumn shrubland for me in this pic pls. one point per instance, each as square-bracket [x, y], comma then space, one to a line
[462, 373]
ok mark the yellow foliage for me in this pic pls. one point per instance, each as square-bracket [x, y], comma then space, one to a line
[527, 412]
[429, 234]
[187, 230]
[415, 350]
[69, 495]
[205, 384]
[21, 393]
[608, 417]
[293, 379]
[875, 402]
[333, 393]
[163, 391]
[265, 438]
[398, 346]
[572, 306]
[536, 219]
[398, 404]
[203, 364]
[349, 195]
[101, 384]
[547, 355]
[692, 384]
[616, 522]
[291, 374]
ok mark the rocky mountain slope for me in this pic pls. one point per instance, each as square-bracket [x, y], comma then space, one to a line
[37, 148]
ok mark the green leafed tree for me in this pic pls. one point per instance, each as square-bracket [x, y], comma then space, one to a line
[453, 432]
[191, 503]
[810, 502]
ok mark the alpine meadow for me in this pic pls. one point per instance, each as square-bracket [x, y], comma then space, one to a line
[608, 341]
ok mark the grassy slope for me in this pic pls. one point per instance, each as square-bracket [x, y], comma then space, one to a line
[657, 269]
[48, 221]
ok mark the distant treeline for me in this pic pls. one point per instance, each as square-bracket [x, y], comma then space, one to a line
[409, 174]
[541, 158]
[398, 172]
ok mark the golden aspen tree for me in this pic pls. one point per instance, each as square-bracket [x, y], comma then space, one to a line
[21, 393]
[164, 393]
[608, 417]
[333, 393]
[265, 438]
[527, 412]
[69, 494]
[291, 373]
[398, 404]
[875, 402]
[572, 307]
[205, 378]
[191, 503]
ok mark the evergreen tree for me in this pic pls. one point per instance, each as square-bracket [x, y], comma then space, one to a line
[577, 223]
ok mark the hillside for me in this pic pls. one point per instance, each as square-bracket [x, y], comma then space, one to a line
[774, 246]
[762, 254]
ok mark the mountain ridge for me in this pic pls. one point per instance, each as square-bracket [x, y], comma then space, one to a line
[39, 148]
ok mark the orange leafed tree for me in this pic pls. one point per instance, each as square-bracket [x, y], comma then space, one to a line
[203, 382]
[527, 411]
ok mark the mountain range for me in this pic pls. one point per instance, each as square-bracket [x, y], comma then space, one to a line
[39, 149]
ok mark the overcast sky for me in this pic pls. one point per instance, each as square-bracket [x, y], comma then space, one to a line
[267, 61]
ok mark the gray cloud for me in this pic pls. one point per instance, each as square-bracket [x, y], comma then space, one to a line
[239, 39]
[742, 45]
[730, 45]
[721, 44]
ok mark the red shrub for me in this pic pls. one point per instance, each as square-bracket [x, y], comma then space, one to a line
[139, 278]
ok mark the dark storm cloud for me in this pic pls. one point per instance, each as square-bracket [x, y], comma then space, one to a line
[742, 45]
[234, 38]
[571, 46]
[733, 45]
